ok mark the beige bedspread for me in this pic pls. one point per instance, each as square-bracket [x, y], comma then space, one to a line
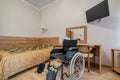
[11, 64]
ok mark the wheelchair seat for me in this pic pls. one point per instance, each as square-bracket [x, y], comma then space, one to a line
[69, 46]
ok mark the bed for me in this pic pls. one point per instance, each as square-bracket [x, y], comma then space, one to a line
[16, 59]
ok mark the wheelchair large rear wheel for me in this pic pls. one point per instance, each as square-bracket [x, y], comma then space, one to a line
[77, 66]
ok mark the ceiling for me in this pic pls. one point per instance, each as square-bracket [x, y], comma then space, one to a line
[39, 3]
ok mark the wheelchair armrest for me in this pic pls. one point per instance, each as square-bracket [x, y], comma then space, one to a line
[73, 49]
[55, 51]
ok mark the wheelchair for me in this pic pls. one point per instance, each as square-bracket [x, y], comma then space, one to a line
[70, 58]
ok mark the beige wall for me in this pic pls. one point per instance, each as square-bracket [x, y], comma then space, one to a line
[69, 13]
[19, 19]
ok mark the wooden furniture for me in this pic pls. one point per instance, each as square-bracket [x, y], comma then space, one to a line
[23, 59]
[77, 32]
[97, 51]
[114, 68]
[13, 42]
[81, 32]
[85, 49]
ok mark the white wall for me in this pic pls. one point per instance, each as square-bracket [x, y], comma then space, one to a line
[69, 13]
[19, 19]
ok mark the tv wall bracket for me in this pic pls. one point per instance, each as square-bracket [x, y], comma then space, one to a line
[99, 20]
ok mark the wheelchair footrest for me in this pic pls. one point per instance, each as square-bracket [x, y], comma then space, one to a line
[51, 75]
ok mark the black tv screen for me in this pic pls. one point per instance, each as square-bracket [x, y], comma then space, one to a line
[97, 12]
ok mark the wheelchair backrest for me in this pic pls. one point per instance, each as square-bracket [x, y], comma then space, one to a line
[67, 44]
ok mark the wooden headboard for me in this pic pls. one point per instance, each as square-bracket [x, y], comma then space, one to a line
[12, 42]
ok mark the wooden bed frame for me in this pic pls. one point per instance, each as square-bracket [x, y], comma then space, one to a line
[13, 42]
[36, 57]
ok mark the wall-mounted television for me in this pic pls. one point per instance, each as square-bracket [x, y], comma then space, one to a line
[97, 12]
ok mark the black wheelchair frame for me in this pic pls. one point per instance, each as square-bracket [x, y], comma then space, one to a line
[68, 52]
